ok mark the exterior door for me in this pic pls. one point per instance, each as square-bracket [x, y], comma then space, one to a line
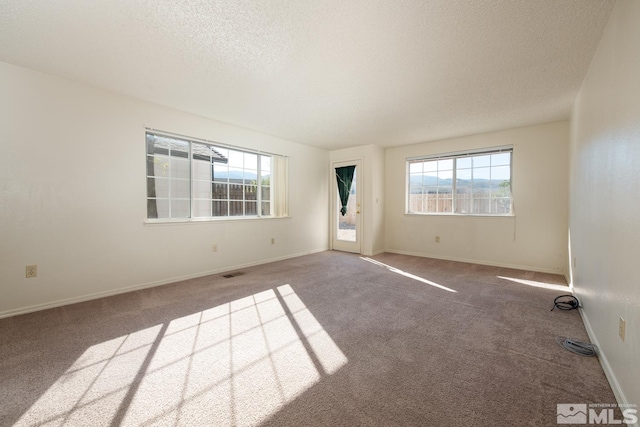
[347, 206]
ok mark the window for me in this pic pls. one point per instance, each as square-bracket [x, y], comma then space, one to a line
[193, 179]
[461, 183]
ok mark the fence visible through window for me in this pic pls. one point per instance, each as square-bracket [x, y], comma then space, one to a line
[189, 179]
[467, 183]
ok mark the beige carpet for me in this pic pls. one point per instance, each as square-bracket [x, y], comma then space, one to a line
[327, 339]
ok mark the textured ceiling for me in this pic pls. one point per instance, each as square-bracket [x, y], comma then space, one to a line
[328, 73]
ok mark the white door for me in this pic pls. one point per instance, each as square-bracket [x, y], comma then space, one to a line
[347, 207]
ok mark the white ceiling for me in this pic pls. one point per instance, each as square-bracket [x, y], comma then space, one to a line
[327, 73]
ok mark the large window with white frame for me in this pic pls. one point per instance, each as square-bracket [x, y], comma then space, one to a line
[469, 183]
[195, 179]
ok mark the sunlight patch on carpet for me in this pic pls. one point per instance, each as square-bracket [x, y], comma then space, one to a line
[535, 284]
[409, 275]
[322, 346]
[234, 364]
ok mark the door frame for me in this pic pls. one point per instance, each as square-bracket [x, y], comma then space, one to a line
[341, 245]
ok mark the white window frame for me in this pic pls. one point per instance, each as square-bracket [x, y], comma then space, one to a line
[278, 206]
[455, 156]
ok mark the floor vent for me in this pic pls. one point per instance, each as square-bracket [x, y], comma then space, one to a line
[230, 275]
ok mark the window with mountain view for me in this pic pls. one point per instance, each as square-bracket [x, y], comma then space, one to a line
[191, 179]
[477, 183]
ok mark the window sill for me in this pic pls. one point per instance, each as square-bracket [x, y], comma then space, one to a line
[162, 222]
[461, 215]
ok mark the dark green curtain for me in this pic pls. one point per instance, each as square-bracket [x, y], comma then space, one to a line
[344, 176]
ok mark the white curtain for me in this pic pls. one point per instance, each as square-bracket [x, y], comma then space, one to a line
[280, 171]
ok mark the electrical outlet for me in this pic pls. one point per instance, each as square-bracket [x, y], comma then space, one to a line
[437, 239]
[31, 271]
[622, 328]
[214, 248]
[273, 240]
[574, 262]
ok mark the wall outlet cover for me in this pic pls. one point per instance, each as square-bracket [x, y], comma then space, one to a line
[31, 271]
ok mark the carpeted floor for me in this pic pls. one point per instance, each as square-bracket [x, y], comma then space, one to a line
[327, 339]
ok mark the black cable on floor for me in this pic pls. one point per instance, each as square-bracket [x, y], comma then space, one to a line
[576, 346]
[566, 302]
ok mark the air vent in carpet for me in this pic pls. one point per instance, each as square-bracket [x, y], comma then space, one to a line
[230, 275]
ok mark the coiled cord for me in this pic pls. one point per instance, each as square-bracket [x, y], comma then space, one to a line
[566, 302]
[576, 346]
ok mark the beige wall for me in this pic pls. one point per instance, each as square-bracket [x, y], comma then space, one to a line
[72, 195]
[535, 238]
[605, 199]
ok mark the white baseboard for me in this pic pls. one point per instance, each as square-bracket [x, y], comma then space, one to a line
[374, 253]
[89, 297]
[476, 261]
[606, 367]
